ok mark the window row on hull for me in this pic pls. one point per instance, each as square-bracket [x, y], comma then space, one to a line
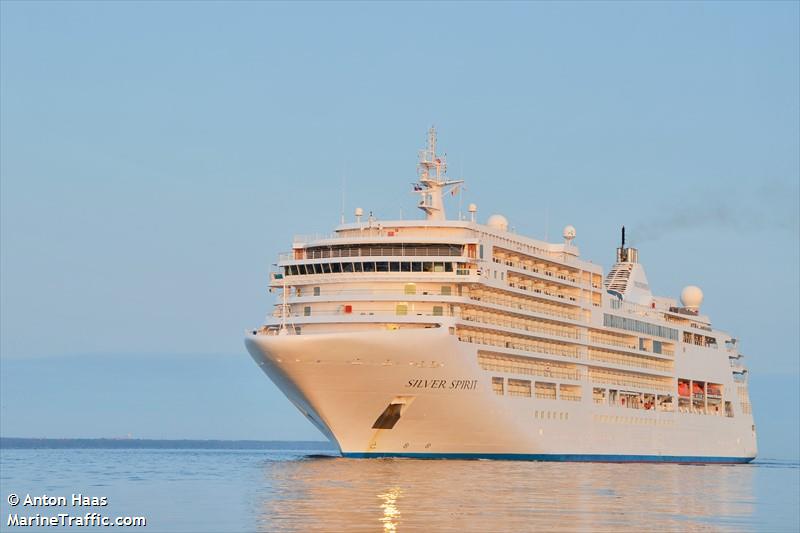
[372, 266]
[381, 250]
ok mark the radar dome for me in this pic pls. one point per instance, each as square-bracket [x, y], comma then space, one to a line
[569, 232]
[692, 297]
[498, 222]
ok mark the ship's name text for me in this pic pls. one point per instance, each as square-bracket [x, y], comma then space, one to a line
[453, 384]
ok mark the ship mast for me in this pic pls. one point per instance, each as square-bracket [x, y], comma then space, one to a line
[432, 180]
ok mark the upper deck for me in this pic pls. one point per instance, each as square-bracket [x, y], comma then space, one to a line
[527, 306]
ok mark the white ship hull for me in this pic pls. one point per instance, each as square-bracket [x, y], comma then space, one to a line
[451, 338]
[343, 382]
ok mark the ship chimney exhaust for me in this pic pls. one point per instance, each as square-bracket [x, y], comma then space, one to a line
[626, 255]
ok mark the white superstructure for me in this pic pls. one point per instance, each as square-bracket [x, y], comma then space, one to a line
[451, 338]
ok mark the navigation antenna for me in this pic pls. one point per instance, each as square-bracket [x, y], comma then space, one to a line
[432, 180]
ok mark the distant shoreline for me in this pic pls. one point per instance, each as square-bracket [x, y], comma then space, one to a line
[180, 444]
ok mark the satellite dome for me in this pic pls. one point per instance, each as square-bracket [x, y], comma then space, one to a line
[692, 297]
[472, 208]
[569, 232]
[498, 222]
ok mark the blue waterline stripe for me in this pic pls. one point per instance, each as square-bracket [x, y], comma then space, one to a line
[557, 457]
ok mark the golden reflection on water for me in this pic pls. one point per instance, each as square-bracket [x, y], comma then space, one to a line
[337, 494]
[391, 514]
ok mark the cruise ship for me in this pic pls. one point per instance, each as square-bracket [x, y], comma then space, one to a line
[453, 338]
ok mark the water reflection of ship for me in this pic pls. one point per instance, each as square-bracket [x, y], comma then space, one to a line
[398, 495]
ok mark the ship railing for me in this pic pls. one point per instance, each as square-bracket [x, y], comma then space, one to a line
[383, 230]
[553, 273]
[603, 340]
[545, 395]
[384, 251]
[372, 252]
[556, 332]
[641, 384]
[540, 290]
[400, 293]
[571, 397]
[377, 312]
[607, 357]
[529, 370]
[510, 303]
[534, 347]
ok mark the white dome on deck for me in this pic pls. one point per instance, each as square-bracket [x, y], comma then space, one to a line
[498, 222]
[692, 297]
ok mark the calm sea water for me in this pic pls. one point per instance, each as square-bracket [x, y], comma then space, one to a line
[195, 490]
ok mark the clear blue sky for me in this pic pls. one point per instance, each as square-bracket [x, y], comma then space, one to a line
[157, 156]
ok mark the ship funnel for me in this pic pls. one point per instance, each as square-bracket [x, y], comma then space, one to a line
[626, 255]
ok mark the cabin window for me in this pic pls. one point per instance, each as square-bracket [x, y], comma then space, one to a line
[448, 267]
[427, 266]
[369, 266]
[438, 310]
[293, 269]
[326, 268]
[497, 386]
[382, 266]
[416, 267]
[394, 266]
[307, 310]
[336, 268]
[405, 266]
[358, 267]
[316, 291]
[446, 290]
[401, 309]
[347, 267]
[411, 288]
[519, 387]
